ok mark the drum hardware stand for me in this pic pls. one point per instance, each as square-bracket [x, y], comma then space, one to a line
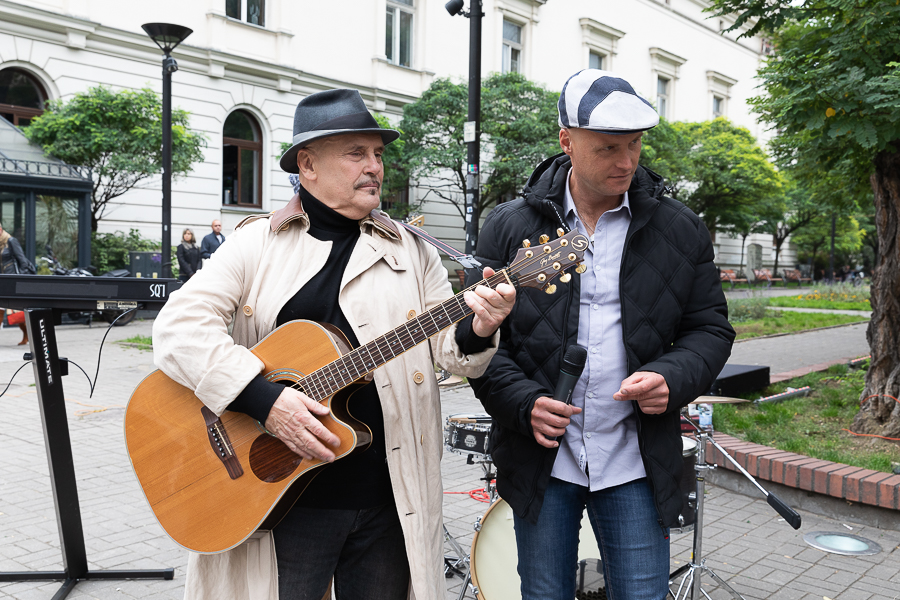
[48, 380]
[690, 583]
[459, 564]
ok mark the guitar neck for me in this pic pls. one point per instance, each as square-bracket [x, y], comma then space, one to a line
[361, 361]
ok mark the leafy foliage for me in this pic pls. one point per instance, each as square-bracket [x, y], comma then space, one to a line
[716, 168]
[118, 134]
[833, 81]
[110, 250]
[519, 130]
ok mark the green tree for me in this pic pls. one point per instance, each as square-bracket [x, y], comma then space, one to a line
[834, 83]
[118, 135]
[716, 168]
[793, 211]
[519, 130]
[816, 238]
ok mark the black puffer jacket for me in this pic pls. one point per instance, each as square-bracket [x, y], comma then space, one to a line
[674, 322]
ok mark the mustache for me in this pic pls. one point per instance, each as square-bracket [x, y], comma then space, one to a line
[366, 182]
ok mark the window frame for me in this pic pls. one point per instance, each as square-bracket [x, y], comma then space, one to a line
[400, 7]
[244, 7]
[24, 112]
[256, 146]
[663, 100]
[506, 66]
[600, 57]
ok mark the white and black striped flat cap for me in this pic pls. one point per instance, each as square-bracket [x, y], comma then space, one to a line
[602, 101]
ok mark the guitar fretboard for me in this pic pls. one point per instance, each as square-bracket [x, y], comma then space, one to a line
[334, 376]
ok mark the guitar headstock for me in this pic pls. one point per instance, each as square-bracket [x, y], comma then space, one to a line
[537, 266]
[415, 219]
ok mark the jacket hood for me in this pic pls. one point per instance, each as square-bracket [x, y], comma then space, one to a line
[548, 184]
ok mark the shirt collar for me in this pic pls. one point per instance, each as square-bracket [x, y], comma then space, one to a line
[571, 212]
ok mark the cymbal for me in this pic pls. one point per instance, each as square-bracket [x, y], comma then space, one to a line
[718, 400]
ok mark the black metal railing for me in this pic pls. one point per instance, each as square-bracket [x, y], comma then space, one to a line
[44, 169]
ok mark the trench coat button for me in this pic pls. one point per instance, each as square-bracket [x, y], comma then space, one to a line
[418, 377]
[410, 314]
[247, 310]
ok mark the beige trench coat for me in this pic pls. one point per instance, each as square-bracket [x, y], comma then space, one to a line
[389, 277]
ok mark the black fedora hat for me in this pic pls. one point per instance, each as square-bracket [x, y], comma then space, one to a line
[333, 112]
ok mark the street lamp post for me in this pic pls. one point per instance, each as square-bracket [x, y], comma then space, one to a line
[473, 127]
[167, 36]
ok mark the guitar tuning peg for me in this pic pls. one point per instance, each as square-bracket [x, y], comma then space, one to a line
[581, 268]
[560, 232]
[565, 277]
[551, 289]
[544, 239]
[526, 243]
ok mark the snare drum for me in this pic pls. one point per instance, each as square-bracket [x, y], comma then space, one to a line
[495, 556]
[469, 434]
[688, 484]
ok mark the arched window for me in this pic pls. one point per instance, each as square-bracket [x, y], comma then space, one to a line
[22, 96]
[241, 160]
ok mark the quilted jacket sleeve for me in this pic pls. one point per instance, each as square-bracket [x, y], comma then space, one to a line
[506, 392]
[703, 342]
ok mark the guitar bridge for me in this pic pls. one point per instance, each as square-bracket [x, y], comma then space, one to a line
[221, 445]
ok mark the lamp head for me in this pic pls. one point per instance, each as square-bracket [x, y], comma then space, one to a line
[454, 7]
[166, 35]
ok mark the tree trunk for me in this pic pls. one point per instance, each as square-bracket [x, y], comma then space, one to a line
[879, 412]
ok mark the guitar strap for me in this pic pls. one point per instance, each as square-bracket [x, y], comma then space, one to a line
[466, 260]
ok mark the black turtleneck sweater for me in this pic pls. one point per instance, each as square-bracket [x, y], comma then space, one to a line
[361, 480]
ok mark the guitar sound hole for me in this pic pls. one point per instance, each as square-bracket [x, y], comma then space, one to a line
[270, 460]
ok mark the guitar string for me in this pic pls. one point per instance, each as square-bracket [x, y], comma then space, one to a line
[320, 380]
[321, 388]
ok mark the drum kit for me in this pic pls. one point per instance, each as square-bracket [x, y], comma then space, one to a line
[490, 569]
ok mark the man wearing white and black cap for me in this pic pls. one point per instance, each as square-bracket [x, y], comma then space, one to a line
[650, 310]
[372, 520]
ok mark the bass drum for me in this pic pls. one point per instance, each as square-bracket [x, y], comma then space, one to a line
[494, 556]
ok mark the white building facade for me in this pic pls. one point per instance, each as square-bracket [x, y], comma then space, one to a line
[249, 62]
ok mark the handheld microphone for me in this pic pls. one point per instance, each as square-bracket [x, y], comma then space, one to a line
[573, 365]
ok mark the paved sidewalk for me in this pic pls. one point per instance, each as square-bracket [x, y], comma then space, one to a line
[745, 541]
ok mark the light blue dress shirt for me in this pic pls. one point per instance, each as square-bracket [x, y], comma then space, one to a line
[600, 447]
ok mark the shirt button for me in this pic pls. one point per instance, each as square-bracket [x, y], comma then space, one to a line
[594, 350]
[595, 307]
[597, 268]
[588, 435]
[590, 394]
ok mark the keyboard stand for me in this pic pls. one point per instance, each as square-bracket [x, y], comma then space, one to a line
[48, 378]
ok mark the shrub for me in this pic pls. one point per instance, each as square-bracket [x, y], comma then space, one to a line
[747, 309]
[110, 250]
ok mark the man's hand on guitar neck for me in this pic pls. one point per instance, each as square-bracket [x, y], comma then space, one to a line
[293, 421]
[490, 306]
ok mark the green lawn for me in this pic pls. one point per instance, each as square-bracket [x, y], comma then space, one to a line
[144, 342]
[778, 321]
[813, 426]
[803, 302]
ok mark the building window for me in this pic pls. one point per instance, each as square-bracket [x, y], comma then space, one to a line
[22, 96]
[595, 61]
[512, 47]
[718, 107]
[601, 42]
[662, 96]
[399, 32]
[251, 11]
[241, 161]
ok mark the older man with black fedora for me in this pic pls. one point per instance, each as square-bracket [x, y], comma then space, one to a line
[370, 521]
[650, 310]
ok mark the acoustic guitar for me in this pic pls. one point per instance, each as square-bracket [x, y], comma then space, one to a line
[213, 481]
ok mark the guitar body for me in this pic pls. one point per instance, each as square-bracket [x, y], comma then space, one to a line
[211, 483]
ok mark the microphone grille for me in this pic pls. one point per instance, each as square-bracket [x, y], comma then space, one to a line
[576, 355]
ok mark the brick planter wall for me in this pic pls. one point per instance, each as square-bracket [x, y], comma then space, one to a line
[844, 482]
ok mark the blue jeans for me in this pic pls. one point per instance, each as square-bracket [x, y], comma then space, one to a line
[634, 547]
[363, 550]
